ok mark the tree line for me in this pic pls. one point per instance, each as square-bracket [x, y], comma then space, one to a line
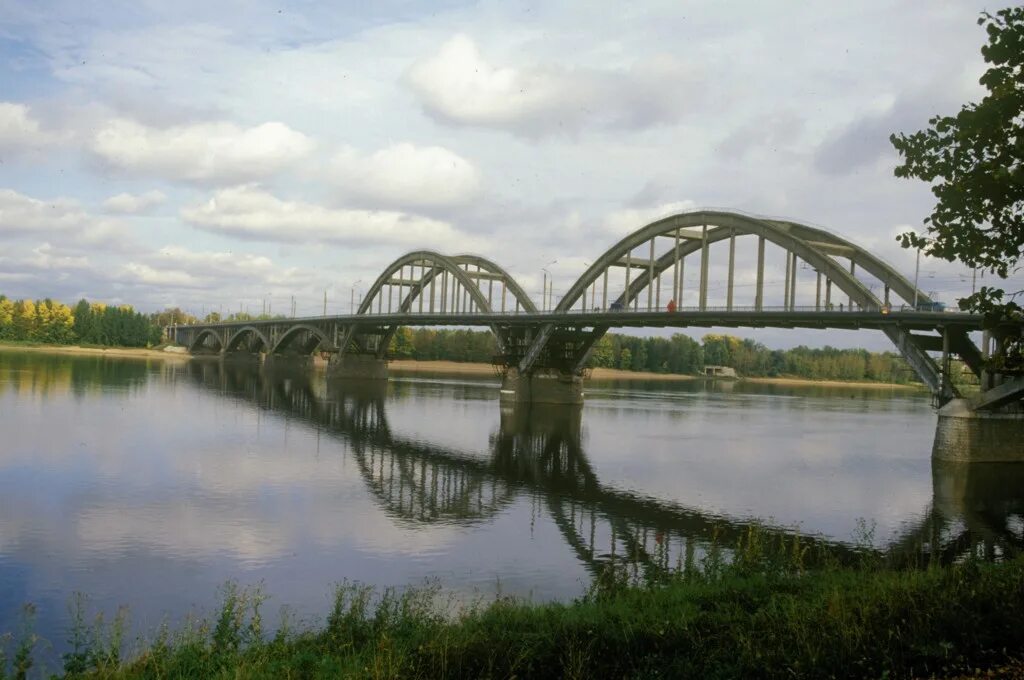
[52, 322]
[93, 323]
[678, 354]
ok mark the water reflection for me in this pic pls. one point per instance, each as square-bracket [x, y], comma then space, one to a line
[27, 373]
[977, 509]
[149, 483]
[538, 452]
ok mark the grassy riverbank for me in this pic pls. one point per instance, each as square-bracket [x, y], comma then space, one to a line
[758, 614]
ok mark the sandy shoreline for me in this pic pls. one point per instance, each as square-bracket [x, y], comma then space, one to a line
[120, 352]
[454, 367]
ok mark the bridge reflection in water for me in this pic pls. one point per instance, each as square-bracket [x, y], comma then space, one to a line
[977, 508]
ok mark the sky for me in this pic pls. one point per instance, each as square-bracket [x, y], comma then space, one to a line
[226, 155]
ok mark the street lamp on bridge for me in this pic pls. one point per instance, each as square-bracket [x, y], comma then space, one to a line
[352, 301]
[544, 298]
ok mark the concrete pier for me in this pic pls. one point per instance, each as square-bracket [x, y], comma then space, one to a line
[357, 367]
[544, 386]
[967, 435]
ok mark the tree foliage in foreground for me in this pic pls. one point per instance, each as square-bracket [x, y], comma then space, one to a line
[974, 162]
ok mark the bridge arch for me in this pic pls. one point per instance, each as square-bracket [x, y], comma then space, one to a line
[493, 268]
[247, 332]
[814, 246]
[432, 265]
[312, 335]
[200, 338]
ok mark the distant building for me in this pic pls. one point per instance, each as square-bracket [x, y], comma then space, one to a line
[723, 372]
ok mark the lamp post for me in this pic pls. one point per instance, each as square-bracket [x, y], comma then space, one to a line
[352, 301]
[917, 272]
[544, 298]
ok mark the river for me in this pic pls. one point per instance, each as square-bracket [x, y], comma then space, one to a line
[150, 484]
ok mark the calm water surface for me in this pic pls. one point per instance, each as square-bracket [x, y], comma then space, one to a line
[150, 484]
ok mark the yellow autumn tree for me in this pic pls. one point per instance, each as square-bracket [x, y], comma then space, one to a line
[6, 318]
[24, 320]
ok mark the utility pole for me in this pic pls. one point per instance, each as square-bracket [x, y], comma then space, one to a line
[293, 306]
[325, 302]
[544, 293]
[917, 272]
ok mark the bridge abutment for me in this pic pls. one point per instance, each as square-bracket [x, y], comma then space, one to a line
[357, 367]
[968, 435]
[542, 386]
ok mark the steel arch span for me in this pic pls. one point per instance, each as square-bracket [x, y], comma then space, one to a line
[427, 281]
[665, 245]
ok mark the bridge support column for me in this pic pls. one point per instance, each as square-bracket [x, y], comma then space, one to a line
[357, 366]
[968, 435]
[542, 386]
[288, 362]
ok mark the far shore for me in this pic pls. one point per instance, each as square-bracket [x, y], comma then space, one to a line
[454, 367]
[121, 352]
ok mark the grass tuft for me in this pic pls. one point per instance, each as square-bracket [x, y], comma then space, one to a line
[764, 606]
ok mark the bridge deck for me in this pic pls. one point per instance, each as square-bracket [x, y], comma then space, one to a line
[684, 318]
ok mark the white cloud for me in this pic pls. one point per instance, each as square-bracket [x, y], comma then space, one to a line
[25, 216]
[19, 131]
[21, 214]
[250, 212]
[628, 220]
[126, 203]
[46, 257]
[203, 152]
[458, 86]
[406, 175]
[138, 272]
[175, 266]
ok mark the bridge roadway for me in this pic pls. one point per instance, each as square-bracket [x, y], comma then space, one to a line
[804, 317]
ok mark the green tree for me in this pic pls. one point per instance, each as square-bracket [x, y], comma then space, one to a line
[401, 346]
[604, 353]
[975, 162]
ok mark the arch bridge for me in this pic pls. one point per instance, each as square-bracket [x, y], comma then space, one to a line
[744, 271]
